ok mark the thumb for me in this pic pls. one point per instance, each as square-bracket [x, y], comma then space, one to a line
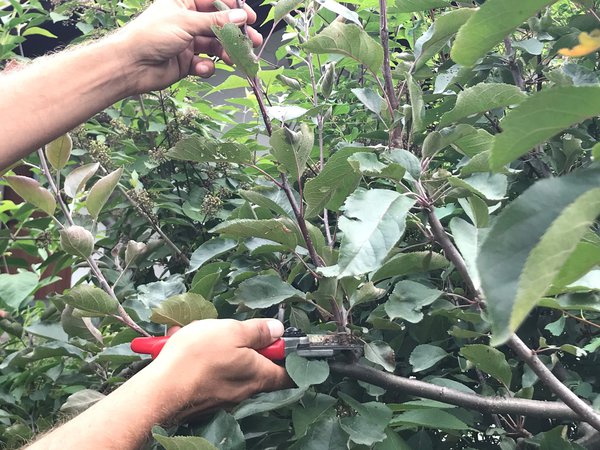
[259, 333]
[200, 23]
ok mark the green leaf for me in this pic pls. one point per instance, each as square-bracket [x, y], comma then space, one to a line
[224, 432]
[436, 419]
[335, 182]
[183, 309]
[365, 294]
[483, 30]
[393, 441]
[209, 250]
[273, 199]
[468, 239]
[410, 263]
[325, 434]
[381, 353]
[91, 299]
[439, 140]
[348, 40]
[101, 192]
[425, 356]
[16, 288]
[59, 150]
[527, 245]
[312, 408]
[267, 401]
[407, 300]
[540, 117]
[407, 6]
[283, 7]
[489, 360]
[283, 231]
[38, 31]
[183, 442]
[368, 164]
[585, 257]
[596, 152]
[369, 424]
[481, 98]
[31, 191]
[76, 179]
[305, 372]
[557, 327]
[439, 34]
[239, 48]
[292, 148]
[474, 144]
[370, 98]
[263, 291]
[80, 401]
[205, 286]
[373, 222]
[418, 106]
[203, 150]
[486, 185]
[407, 160]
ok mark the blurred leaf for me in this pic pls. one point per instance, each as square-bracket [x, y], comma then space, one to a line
[369, 424]
[370, 98]
[406, 6]
[488, 360]
[439, 33]
[365, 294]
[16, 288]
[348, 40]
[407, 300]
[224, 432]
[409, 263]
[536, 120]
[527, 245]
[292, 148]
[381, 353]
[482, 97]
[183, 442]
[101, 192]
[483, 30]
[283, 7]
[76, 179]
[436, 419]
[425, 356]
[325, 434]
[263, 291]
[31, 191]
[417, 104]
[312, 408]
[209, 250]
[267, 401]
[305, 372]
[373, 222]
[183, 309]
[282, 230]
[59, 150]
[468, 239]
[335, 182]
[200, 149]
[238, 47]
[91, 299]
[80, 401]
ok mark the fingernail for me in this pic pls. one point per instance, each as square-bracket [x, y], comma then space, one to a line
[276, 328]
[238, 15]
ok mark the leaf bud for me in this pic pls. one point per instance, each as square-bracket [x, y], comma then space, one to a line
[326, 81]
[289, 82]
[133, 251]
[77, 241]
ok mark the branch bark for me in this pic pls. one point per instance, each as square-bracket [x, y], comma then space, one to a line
[489, 405]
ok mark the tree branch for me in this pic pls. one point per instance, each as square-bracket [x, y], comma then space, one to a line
[564, 393]
[489, 405]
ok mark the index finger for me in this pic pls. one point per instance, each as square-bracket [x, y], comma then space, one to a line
[207, 6]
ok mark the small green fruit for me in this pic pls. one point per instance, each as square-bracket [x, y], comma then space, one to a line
[77, 241]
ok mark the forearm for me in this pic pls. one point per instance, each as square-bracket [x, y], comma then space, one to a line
[121, 421]
[54, 94]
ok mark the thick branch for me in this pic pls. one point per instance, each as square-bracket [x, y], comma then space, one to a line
[489, 405]
[387, 70]
[564, 393]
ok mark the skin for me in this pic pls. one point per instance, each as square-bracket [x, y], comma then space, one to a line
[206, 364]
[159, 47]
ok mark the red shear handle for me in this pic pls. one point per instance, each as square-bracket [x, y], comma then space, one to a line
[153, 346]
[275, 351]
[149, 345]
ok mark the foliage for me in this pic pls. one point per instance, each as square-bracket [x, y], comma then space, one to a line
[432, 206]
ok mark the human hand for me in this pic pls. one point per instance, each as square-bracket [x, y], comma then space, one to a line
[213, 362]
[163, 43]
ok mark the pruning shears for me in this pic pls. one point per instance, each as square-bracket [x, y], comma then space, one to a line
[292, 341]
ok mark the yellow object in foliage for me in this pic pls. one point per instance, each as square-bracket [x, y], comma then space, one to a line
[588, 43]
